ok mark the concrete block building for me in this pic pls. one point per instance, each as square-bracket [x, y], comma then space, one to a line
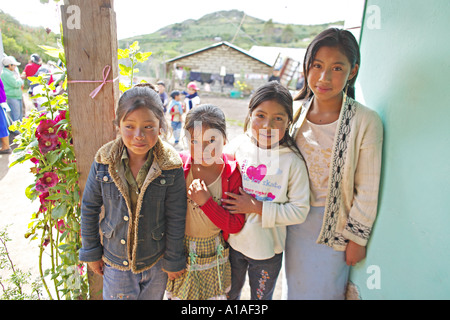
[217, 68]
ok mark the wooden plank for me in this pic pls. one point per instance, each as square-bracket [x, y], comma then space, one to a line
[90, 46]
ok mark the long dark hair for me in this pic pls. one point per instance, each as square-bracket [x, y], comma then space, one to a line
[141, 96]
[274, 91]
[333, 37]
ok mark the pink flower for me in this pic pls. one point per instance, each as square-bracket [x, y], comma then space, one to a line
[48, 143]
[34, 160]
[42, 197]
[61, 227]
[41, 187]
[49, 180]
[80, 268]
[46, 127]
[43, 200]
[61, 116]
[46, 132]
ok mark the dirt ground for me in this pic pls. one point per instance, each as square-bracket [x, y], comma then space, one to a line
[16, 209]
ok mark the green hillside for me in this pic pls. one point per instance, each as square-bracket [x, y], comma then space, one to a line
[21, 41]
[190, 35]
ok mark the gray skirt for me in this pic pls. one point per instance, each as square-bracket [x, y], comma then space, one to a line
[313, 271]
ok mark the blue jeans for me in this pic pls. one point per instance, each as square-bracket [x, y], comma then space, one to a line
[16, 109]
[125, 285]
[176, 126]
[262, 275]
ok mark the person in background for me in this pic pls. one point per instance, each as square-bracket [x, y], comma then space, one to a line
[192, 98]
[31, 70]
[13, 85]
[4, 132]
[163, 94]
[275, 75]
[32, 67]
[176, 111]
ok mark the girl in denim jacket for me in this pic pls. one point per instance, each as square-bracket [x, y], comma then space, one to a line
[139, 181]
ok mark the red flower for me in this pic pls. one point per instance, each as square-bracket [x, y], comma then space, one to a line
[47, 136]
[61, 227]
[61, 116]
[41, 187]
[48, 143]
[49, 180]
[46, 127]
[80, 268]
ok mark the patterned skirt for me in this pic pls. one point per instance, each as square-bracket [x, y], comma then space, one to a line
[208, 271]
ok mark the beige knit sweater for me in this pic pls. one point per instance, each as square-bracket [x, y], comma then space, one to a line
[352, 197]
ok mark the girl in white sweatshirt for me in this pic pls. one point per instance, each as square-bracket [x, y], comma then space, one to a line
[275, 191]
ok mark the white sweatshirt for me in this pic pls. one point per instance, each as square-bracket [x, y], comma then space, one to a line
[280, 179]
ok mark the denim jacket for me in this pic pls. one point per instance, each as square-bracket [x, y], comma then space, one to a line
[135, 242]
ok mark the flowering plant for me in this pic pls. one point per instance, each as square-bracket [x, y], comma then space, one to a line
[46, 140]
[243, 87]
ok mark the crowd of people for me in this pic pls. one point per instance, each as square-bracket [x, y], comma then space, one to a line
[12, 84]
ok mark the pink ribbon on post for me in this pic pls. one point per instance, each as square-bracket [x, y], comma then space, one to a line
[106, 71]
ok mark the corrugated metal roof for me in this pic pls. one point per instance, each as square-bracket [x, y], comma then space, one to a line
[217, 45]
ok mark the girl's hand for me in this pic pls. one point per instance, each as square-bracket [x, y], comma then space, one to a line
[174, 275]
[354, 253]
[96, 266]
[198, 192]
[241, 203]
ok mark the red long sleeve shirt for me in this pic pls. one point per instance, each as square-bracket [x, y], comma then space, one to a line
[231, 181]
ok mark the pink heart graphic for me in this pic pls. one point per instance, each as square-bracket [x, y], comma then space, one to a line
[258, 173]
[271, 196]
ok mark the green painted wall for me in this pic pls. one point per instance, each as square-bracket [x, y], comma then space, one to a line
[405, 77]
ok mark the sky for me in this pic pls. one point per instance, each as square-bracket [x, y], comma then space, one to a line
[136, 17]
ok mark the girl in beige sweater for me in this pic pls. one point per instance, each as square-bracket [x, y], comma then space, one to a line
[341, 141]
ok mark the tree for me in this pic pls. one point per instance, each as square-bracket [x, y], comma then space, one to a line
[288, 34]
[269, 31]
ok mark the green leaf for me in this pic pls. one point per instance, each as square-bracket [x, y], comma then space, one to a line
[123, 53]
[135, 46]
[52, 51]
[59, 211]
[52, 157]
[30, 192]
[143, 56]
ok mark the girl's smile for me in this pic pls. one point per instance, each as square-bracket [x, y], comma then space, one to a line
[139, 131]
[269, 122]
[329, 73]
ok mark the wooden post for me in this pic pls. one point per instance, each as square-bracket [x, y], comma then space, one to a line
[90, 42]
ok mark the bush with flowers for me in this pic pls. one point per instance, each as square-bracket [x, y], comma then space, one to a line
[46, 140]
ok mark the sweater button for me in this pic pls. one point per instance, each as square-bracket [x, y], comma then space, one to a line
[123, 241]
[125, 263]
[105, 178]
[163, 181]
[126, 218]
